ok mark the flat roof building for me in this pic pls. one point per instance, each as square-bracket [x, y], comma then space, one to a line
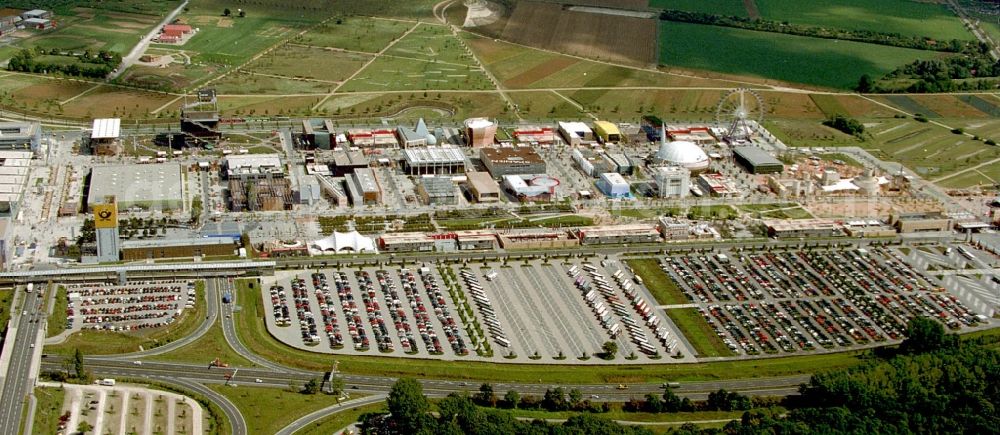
[155, 186]
[617, 234]
[576, 133]
[791, 228]
[535, 135]
[536, 239]
[346, 161]
[437, 191]
[613, 185]
[475, 240]
[363, 187]
[607, 132]
[503, 161]
[405, 242]
[318, 133]
[483, 187]
[247, 166]
[697, 135]
[14, 166]
[136, 250]
[104, 136]
[756, 160]
[672, 181]
[531, 188]
[620, 163]
[20, 136]
[718, 185]
[919, 222]
[260, 194]
[373, 138]
[591, 163]
[433, 160]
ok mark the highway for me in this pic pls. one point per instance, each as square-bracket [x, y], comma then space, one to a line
[16, 387]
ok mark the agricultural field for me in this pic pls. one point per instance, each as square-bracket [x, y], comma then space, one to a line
[114, 102]
[906, 17]
[93, 29]
[242, 83]
[295, 61]
[395, 74]
[813, 61]
[604, 37]
[355, 33]
[264, 105]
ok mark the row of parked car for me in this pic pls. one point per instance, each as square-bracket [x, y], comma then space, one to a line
[279, 306]
[327, 309]
[352, 314]
[374, 311]
[452, 330]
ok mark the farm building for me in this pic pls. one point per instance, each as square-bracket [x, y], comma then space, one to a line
[576, 133]
[416, 137]
[590, 162]
[437, 191]
[697, 135]
[149, 187]
[480, 132]
[137, 250]
[253, 166]
[718, 185]
[174, 33]
[36, 14]
[756, 160]
[607, 132]
[20, 136]
[672, 181]
[512, 161]
[318, 133]
[346, 161]
[482, 187]
[613, 185]
[13, 179]
[433, 160]
[536, 188]
[104, 136]
[535, 135]
[617, 234]
[374, 138]
[363, 187]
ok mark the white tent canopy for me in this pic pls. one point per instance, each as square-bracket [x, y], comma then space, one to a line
[344, 242]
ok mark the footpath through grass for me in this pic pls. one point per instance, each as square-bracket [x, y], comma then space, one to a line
[705, 341]
[253, 334]
[663, 288]
[50, 403]
[106, 342]
[340, 420]
[267, 410]
[56, 323]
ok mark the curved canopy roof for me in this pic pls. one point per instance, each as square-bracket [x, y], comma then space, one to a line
[345, 242]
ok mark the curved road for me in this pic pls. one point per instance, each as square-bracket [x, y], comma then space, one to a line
[308, 419]
[236, 420]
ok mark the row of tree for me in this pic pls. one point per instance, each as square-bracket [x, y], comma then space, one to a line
[87, 64]
[973, 69]
[866, 36]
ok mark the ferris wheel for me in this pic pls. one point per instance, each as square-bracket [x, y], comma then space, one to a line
[740, 112]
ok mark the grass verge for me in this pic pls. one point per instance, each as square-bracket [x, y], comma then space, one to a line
[267, 410]
[50, 403]
[56, 323]
[254, 335]
[106, 343]
[705, 341]
[211, 345]
[340, 420]
[663, 288]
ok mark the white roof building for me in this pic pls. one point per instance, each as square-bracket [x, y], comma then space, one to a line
[681, 153]
[106, 128]
[337, 243]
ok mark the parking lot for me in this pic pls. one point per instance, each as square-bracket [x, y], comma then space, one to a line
[763, 302]
[398, 311]
[525, 313]
[127, 308]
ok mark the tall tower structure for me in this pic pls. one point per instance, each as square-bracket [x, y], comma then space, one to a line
[106, 228]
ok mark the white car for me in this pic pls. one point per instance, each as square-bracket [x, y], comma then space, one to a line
[138, 363]
[258, 381]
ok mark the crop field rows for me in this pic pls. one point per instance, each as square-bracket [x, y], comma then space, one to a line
[785, 302]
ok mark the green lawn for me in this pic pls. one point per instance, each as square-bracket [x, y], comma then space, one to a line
[694, 327]
[356, 34]
[210, 346]
[906, 17]
[340, 420]
[434, 44]
[389, 74]
[106, 343]
[814, 61]
[93, 29]
[6, 298]
[56, 322]
[48, 410]
[663, 288]
[712, 212]
[646, 213]
[267, 410]
[310, 63]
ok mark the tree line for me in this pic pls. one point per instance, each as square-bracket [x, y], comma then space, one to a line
[784, 27]
[942, 75]
[86, 64]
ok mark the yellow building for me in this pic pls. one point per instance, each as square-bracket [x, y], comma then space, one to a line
[607, 132]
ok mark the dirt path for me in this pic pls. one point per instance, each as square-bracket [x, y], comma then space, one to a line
[752, 11]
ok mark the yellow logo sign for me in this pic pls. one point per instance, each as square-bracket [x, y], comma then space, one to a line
[105, 216]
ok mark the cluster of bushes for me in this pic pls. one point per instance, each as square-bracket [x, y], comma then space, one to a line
[971, 70]
[845, 124]
[867, 36]
[720, 400]
[87, 64]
